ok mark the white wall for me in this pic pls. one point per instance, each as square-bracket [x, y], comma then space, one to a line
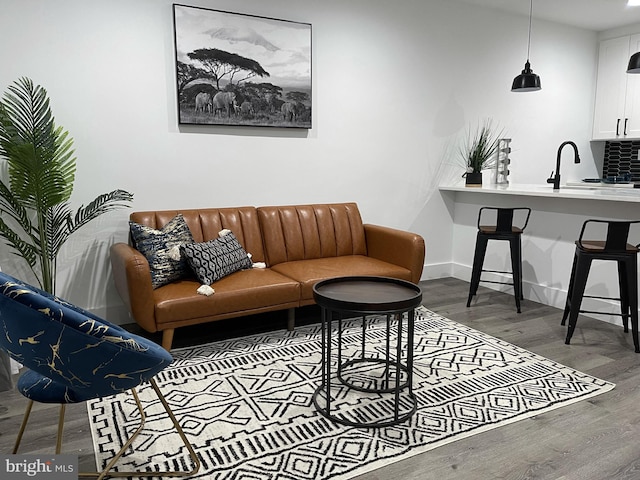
[393, 88]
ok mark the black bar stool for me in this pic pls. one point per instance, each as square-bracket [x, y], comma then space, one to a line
[502, 230]
[616, 248]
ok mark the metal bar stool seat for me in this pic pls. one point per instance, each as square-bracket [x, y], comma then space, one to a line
[615, 248]
[504, 229]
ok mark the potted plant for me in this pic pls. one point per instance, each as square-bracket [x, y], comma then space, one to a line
[35, 217]
[478, 151]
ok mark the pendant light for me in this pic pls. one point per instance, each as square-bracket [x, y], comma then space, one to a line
[634, 63]
[527, 81]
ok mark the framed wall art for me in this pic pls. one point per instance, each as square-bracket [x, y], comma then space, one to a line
[237, 69]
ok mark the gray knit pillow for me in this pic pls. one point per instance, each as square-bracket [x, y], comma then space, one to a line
[217, 258]
[161, 249]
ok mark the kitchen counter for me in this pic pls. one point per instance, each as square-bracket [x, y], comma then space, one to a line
[600, 192]
[548, 244]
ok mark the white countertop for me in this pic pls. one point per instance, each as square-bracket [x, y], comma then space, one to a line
[615, 193]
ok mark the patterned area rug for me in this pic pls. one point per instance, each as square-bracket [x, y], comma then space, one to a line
[246, 404]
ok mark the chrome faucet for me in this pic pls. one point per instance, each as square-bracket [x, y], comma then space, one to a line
[555, 179]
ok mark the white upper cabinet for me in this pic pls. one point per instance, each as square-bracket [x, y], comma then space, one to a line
[617, 108]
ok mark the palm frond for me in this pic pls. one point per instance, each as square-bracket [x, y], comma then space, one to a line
[59, 223]
[11, 207]
[39, 154]
[20, 247]
[101, 204]
[28, 106]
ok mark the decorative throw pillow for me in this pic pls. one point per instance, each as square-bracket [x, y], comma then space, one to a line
[217, 258]
[160, 248]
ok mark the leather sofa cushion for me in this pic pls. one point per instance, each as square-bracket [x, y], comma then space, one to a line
[305, 232]
[309, 272]
[241, 291]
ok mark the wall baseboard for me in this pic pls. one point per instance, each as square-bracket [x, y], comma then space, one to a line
[437, 270]
[544, 294]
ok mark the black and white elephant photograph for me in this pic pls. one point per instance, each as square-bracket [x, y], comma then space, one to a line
[241, 70]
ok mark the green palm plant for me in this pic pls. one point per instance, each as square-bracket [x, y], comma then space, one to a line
[35, 216]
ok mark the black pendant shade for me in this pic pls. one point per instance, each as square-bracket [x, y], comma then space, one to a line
[527, 81]
[634, 63]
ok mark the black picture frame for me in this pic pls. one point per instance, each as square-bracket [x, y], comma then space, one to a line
[241, 70]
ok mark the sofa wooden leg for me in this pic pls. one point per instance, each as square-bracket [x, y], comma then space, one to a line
[167, 338]
[291, 319]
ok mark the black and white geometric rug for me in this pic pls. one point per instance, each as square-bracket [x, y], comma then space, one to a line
[246, 404]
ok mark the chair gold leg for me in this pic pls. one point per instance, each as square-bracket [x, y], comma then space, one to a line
[106, 472]
[185, 440]
[60, 428]
[23, 427]
[25, 419]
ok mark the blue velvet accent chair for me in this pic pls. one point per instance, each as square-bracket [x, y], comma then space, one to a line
[74, 356]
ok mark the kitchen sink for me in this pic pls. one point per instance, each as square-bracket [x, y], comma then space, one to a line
[573, 187]
[584, 186]
[589, 185]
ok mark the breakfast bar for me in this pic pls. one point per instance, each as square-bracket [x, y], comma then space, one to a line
[549, 243]
[573, 190]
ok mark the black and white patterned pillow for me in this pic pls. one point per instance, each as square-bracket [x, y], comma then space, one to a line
[161, 249]
[217, 258]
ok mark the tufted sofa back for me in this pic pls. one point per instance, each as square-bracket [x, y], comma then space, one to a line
[205, 223]
[303, 232]
[275, 234]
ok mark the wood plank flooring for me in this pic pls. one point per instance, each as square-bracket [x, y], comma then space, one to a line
[594, 439]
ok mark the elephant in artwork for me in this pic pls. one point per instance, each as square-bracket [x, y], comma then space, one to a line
[203, 102]
[247, 109]
[226, 101]
[288, 110]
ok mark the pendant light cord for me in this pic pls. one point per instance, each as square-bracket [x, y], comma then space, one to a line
[529, 42]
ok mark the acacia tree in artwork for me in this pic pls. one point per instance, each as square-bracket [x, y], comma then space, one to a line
[187, 73]
[297, 97]
[262, 95]
[220, 64]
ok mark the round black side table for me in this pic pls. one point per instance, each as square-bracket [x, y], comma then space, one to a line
[384, 376]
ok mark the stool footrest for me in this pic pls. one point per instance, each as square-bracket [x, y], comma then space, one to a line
[602, 298]
[603, 313]
[496, 271]
[494, 281]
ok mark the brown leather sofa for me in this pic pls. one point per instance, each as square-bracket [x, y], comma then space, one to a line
[300, 245]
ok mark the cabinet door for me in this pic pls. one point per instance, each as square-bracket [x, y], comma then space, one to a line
[632, 104]
[608, 121]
